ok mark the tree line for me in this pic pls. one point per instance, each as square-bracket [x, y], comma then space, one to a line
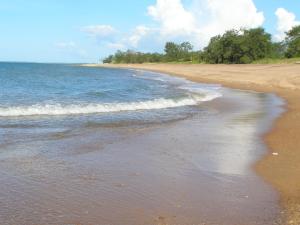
[233, 47]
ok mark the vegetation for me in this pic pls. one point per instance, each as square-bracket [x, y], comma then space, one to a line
[293, 43]
[133, 57]
[277, 61]
[239, 47]
[173, 53]
[234, 46]
[178, 53]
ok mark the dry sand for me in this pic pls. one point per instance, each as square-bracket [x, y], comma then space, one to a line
[281, 167]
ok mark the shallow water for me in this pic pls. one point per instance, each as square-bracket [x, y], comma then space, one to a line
[182, 165]
[62, 90]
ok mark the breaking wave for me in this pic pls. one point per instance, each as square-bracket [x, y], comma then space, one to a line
[59, 109]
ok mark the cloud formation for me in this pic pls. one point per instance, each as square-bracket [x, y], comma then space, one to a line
[285, 21]
[222, 15]
[173, 18]
[99, 30]
[196, 22]
[206, 18]
[131, 39]
[138, 33]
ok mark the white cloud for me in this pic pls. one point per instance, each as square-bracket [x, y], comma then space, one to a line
[99, 30]
[196, 22]
[206, 18]
[173, 17]
[285, 21]
[129, 40]
[138, 33]
[223, 15]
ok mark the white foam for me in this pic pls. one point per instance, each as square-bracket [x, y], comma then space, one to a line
[58, 109]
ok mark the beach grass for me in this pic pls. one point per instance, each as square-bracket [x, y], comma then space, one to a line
[260, 61]
[277, 61]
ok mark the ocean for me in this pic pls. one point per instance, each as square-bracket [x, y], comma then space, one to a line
[39, 94]
[83, 145]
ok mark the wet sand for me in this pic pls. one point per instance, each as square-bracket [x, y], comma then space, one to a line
[282, 171]
[192, 171]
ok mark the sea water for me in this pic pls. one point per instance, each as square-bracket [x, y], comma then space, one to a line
[61, 96]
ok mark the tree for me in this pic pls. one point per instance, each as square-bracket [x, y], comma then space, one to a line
[131, 56]
[118, 57]
[185, 49]
[234, 46]
[172, 51]
[257, 43]
[293, 42]
[213, 52]
[108, 59]
[277, 50]
[224, 49]
[238, 46]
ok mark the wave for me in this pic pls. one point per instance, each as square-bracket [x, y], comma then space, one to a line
[59, 109]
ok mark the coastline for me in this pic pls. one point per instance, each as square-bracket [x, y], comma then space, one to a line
[181, 158]
[283, 170]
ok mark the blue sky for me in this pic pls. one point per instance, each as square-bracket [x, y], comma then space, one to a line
[85, 31]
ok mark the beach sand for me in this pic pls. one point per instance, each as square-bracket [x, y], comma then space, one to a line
[281, 167]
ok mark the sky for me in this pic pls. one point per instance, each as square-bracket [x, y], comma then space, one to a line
[74, 31]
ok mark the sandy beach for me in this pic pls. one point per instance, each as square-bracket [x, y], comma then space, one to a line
[130, 146]
[281, 166]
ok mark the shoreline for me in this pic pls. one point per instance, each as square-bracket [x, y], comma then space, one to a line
[282, 171]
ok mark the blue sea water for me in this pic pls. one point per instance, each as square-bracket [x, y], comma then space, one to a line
[55, 92]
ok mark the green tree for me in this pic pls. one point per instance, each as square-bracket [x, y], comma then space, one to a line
[277, 50]
[238, 46]
[224, 49]
[185, 49]
[131, 56]
[108, 59]
[231, 47]
[293, 42]
[234, 46]
[213, 52]
[118, 57]
[172, 51]
[256, 43]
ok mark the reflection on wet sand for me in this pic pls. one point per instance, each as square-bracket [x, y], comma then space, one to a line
[193, 171]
